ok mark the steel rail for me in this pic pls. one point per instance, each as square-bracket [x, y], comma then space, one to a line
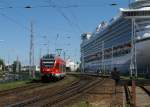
[20, 89]
[67, 93]
[145, 90]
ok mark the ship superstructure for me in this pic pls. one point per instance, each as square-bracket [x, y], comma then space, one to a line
[110, 45]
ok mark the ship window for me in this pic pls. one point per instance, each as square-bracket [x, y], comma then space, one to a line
[131, 13]
[136, 13]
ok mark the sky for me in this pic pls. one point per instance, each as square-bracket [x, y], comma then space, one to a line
[58, 23]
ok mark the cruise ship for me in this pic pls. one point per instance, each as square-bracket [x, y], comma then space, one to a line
[110, 45]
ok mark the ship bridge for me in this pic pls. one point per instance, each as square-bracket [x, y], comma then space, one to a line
[140, 4]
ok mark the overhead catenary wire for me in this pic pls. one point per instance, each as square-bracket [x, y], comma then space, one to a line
[59, 10]
[75, 19]
[4, 2]
[64, 15]
[59, 6]
[14, 21]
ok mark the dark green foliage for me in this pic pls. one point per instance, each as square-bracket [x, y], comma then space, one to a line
[2, 64]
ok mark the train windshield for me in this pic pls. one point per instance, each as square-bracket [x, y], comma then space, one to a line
[48, 63]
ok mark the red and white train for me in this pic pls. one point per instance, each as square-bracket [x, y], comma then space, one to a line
[52, 67]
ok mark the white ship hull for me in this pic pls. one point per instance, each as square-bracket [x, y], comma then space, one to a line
[123, 63]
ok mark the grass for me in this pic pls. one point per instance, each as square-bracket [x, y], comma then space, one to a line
[15, 84]
[81, 104]
[84, 104]
[11, 85]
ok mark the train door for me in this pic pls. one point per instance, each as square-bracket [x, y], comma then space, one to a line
[62, 68]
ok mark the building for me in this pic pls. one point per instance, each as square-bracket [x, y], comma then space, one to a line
[110, 45]
[71, 65]
[26, 68]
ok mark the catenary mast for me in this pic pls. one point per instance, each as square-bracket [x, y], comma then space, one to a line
[31, 55]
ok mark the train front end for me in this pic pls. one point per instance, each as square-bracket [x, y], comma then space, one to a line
[52, 67]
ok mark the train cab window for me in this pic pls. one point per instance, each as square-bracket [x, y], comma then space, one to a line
[49, 65]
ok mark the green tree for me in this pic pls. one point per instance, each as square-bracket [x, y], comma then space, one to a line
[2, 63]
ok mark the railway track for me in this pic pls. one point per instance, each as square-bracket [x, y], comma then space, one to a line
[21, 89]
[128, 95]
[28, 92]
[145, 90]
[74, 90]
[140, 92]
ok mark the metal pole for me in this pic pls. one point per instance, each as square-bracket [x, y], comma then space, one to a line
[83, 63]
[133, 62]
[64, 55]
[133, 65]
[82, 58]
[112, 63]
[30, 55]
[103, 68]
[17, 65]
[31, 69]
[132, 49]
[48, 50]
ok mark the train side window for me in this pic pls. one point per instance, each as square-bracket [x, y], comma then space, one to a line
[60, 68]
[57, 66]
